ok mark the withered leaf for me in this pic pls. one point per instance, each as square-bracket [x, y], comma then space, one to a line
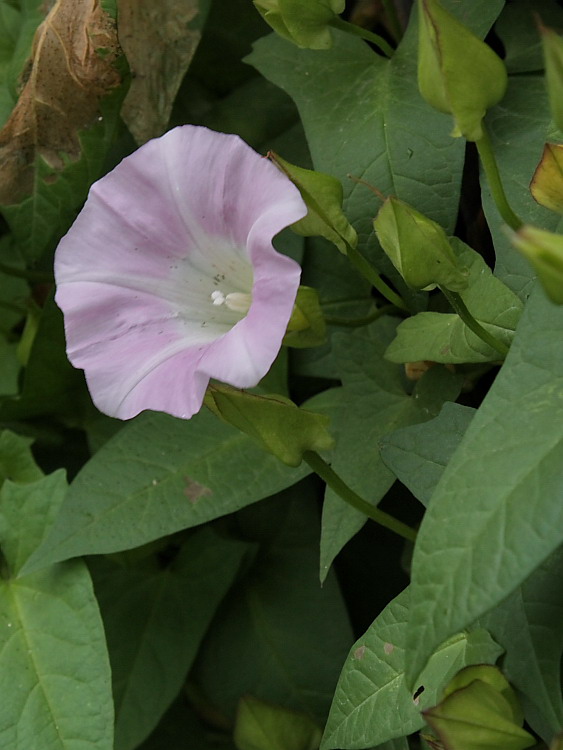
[71, 69]
[159, 45]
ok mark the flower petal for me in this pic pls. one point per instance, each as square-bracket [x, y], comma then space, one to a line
[187, 214]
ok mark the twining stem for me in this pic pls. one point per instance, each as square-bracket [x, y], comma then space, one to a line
[461, 309]
[369, 36]
[393, 19]
[487, 156]
[20, 273]
[369, 273]
[359, 322]
[332, 480]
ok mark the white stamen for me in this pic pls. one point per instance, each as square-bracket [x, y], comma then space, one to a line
[238, 302]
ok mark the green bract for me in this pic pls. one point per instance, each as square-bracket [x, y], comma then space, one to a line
[457, 72]
[418, 247]
[553, 54]
[544, 250]
[477, 717]
[303, 22]
[280, 427]
[547, 182]
[307, 325]
[323, 197]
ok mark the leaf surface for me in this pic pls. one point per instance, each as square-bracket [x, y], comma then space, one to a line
[372, 703]
[54, 669]
[154, 622]
[500, 493]
[159, 475]
[418, 454]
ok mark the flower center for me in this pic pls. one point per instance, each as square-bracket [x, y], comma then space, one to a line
[238, 302]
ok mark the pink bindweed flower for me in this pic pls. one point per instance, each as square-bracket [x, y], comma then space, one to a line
[168, 276]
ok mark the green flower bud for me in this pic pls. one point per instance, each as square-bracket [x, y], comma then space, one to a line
[547, 182]
[303, 22]
[275, 422]
[418, 248]
[457, 72]
[544, 250]
[477, 717]
[323, 196]
[553, 54]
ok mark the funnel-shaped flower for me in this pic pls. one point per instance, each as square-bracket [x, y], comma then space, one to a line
[168, 276]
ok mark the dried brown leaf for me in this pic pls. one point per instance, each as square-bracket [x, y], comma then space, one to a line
[65, 80]
[159, 45]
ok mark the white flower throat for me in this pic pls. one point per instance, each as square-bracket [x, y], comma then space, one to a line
[238, 302]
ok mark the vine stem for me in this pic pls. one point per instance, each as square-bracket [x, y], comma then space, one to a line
[460, 307]
[369, 36]
[332, 480]
[370, 274]
[359, 322]
[488, 160]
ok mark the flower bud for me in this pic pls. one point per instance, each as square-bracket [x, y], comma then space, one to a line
[457, 72]
[323, 197]
[303, 22]
[544, 250]
[479, 710]
[547, 182]
[418, 248]
[553, 54]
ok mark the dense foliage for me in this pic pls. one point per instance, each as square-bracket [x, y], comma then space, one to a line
[263, 576]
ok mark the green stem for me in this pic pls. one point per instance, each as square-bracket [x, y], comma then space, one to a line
[487, 156]
[20, 273]
[393, 20]
[369, 273]
[461, 309]
[332, 480]
[369, 36]
[359, 322]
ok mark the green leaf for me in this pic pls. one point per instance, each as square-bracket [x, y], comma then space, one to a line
[444, 337]
[373, 402]
[393, 140]
[518, 30]
[9, 374]
[276, 423]
[50, 385]
[262, 726]
[278, 636]
[500, 493]
[154, 620]
[528, 625]
[16, 460]
[159, 475]
[54, 670]
[518, 128]
[418, 454]
[373, 703]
